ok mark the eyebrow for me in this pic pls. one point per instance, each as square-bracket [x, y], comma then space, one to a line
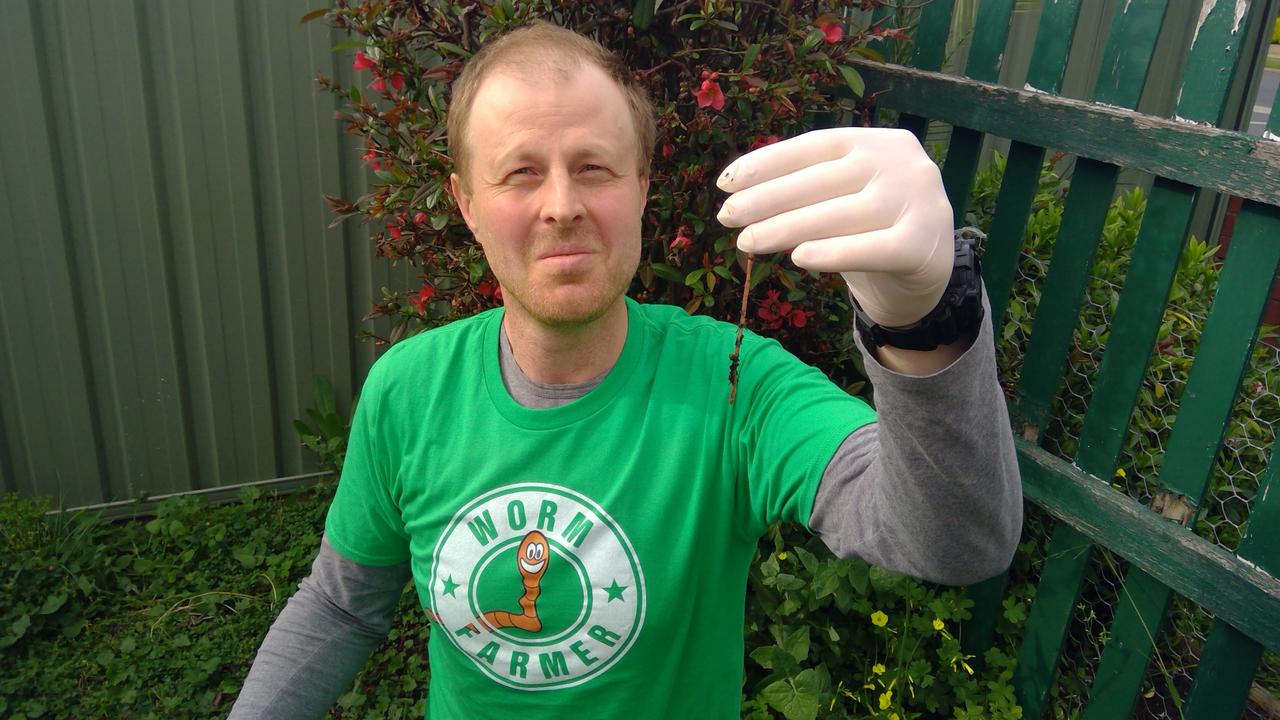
[525, 154]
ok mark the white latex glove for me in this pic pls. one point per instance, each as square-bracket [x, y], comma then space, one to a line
[867, 203]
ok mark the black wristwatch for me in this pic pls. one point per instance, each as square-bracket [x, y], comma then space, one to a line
[958, 314]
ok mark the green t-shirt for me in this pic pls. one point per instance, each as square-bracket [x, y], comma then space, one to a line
[591, 558]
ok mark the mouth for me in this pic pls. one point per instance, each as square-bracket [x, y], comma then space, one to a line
[532, 568]
[564, 255]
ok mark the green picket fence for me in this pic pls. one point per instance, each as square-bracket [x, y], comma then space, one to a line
[1139, 554]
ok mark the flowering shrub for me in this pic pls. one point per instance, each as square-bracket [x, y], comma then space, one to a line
[725, 78]
[826, 637]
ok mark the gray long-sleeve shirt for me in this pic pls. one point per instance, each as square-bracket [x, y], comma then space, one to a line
[931, 490]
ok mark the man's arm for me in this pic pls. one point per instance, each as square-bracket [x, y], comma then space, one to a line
[932, 488]
[321, 638]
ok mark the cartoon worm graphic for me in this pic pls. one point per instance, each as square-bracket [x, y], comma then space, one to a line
[531, 560]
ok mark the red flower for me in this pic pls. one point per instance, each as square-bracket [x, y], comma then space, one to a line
[424, 295]
[710, 94]
[397, 82]
[832, 32]
[420, 218]
[762, 140]
[488, 288]
[775, 312]
[371, 157]
[363, 62]
[682, 241]
[395, 230]
[379, 84]
[668, 150]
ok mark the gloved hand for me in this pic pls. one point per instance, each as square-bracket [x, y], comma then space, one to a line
[867, 203]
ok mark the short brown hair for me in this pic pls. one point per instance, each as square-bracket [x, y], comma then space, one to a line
[543, 47]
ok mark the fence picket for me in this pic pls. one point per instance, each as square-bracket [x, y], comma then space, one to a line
[991, 31]
[1127, 60]
[1230, 659]
[930, 49]
[1000, 258]
[1022, 169]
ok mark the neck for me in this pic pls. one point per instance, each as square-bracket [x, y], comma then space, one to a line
[559, 355]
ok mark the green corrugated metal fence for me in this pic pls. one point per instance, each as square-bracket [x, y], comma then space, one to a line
[168, 287]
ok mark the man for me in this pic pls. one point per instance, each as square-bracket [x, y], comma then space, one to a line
[565, 480]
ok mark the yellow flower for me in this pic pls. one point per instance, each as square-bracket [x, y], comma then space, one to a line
[1120, 473]
[879, 619]
[878, 668]
[937, 623]
[782, 555]
[893, 716]
[886, 699]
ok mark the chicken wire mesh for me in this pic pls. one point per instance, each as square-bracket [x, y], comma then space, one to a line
[1238, 470]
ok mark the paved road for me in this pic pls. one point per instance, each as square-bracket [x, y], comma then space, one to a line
[1262, 106]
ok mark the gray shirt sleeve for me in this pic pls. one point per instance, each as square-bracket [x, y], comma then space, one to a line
[932, 488]
[340, 613]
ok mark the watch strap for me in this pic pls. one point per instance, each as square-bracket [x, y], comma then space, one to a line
[958, 313]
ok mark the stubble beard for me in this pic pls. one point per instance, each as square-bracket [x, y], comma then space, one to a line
[571, 299]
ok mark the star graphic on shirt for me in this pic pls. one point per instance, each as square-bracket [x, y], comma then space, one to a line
[450, 586]
[615, 591]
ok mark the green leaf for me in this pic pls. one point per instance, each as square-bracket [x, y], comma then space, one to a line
[753, 51]
[811, 41]
[19, 627]
[797, 644]
[869, 53]
[642, 14]
[763, 656]
[795, 697]
[313, 15]
[787, 581]
[667, 272]
[760, 272]
[348, 45]
[455, 49]
[859, 574]
[825, 582]
[52, 603]
[853, 80]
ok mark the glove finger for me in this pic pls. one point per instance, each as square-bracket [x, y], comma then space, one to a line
[799, 189]
[880, 250]
[811, 148]
[784, 158]
[850, 214]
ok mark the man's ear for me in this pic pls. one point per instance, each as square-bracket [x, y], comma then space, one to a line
[458, 188]
[644, 192]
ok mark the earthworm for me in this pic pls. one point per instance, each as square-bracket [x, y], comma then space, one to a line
[742, 323]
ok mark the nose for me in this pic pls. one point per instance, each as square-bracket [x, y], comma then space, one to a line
[561, 199]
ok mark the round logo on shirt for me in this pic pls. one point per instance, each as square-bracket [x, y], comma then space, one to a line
[538, 586]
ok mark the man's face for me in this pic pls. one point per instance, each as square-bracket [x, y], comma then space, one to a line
[555, 197]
